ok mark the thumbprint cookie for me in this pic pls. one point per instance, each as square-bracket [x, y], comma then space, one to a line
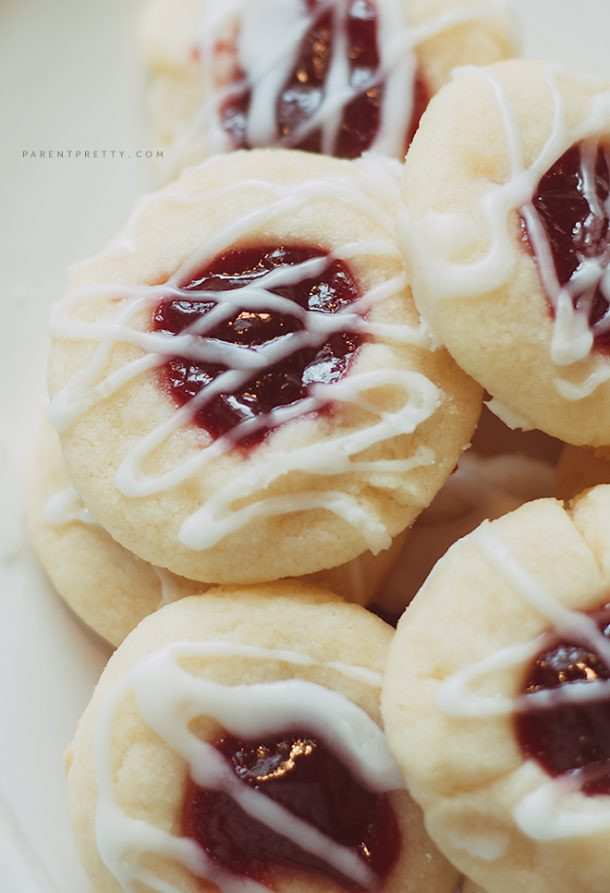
[496, 699]
[234, 743]
[507, 230]
[107, 586]
[340, 77]
[242, 385]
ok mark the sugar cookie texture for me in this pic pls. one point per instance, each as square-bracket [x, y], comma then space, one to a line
[254, 664]
[107, 586]
[341, 471]
[529, 325]
[455, 680]
[337, 77]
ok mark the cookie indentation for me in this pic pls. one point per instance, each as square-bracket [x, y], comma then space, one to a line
[566, 736]
[299, 773]
[338, 55]
[264, 314]
[572, 204]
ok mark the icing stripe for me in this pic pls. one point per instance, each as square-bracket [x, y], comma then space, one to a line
[555, 809]
[168, 699]
[432, 240]
[66, 507]
[254, 47]
[336, 456]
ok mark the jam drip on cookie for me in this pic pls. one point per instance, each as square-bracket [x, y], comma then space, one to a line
[572, 203]
[563, 737]
[301, 97]
[299, 773]
[323, 359]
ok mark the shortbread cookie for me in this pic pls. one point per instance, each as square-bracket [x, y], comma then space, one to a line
[107, 586]
[481, 488]
[339, 77]
[507, 232]
[580, 468]
[242, 384]
[496, 701]
[234, 742]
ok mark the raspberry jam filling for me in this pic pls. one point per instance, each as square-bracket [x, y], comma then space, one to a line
[572, 204]
[289, 379]
[303, 93]
[564, 737]
[299, 773]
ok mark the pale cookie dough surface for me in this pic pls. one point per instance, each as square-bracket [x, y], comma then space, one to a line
[257, 637]
[195, 51]
[111, 589]
[320, 489]
[456, 667]
[483, 146]
[107, 586]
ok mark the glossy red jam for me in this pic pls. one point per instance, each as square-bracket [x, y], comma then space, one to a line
[571, 202]
[304, 90]
[302, 775]
[283, 383]
[569, 736]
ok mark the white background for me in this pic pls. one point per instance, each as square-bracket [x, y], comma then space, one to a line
[69, 78]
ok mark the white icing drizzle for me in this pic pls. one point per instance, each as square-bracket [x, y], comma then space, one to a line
[255, 47]
[168, 590]
[66, 507]
[433, 239]
[168, 699]
[339, 455]
[555, 809]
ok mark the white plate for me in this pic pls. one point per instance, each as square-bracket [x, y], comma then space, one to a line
[72, 82]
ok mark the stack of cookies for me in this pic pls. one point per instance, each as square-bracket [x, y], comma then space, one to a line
[257, 391]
